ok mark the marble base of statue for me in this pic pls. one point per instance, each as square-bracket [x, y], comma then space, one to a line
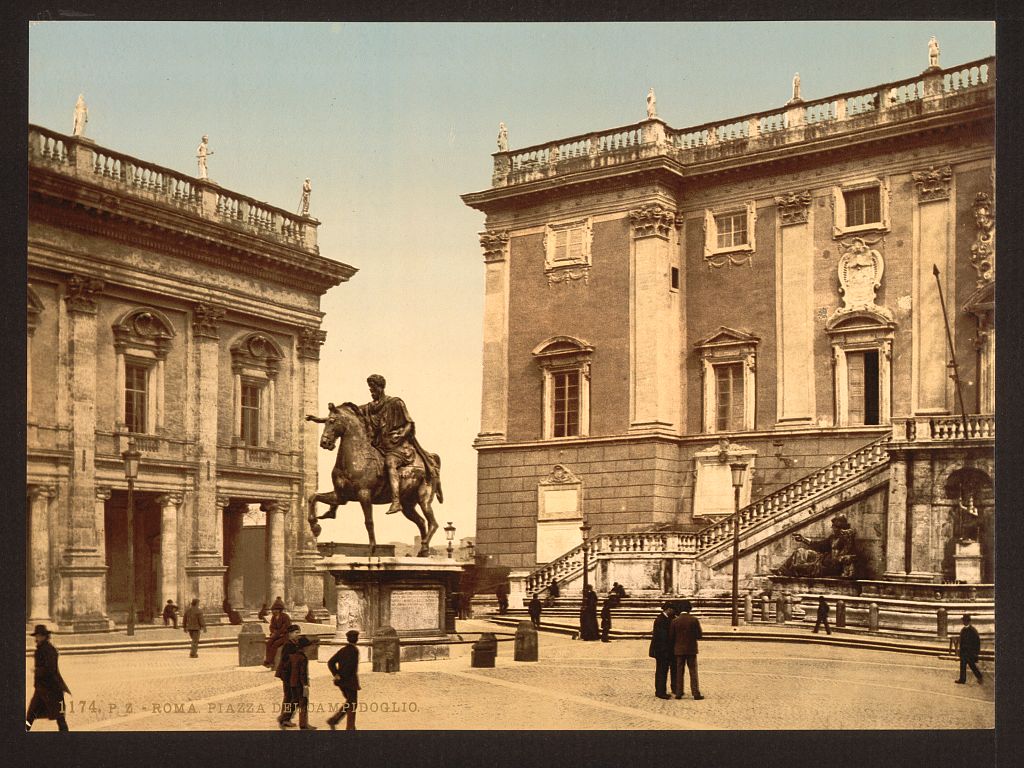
[967, 561]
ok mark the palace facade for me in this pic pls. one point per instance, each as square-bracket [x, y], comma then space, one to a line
[765, 290]
[167, 311]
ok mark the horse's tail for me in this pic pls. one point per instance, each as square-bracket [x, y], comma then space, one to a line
[435, 460]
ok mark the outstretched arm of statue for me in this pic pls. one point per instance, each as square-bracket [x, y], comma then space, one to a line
[317, 419]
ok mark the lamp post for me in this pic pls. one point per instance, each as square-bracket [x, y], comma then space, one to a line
[131, 471]
[737, 468]
[471, 546]
[585, 532]
[449, 531]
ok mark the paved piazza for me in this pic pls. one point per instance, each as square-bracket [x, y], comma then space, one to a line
[754, 685]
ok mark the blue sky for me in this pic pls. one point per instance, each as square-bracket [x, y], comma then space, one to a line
[393, 121]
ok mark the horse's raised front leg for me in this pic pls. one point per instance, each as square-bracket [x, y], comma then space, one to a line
[364, 502]
[328, 498]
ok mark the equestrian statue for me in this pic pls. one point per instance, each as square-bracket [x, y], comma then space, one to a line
[379, 462]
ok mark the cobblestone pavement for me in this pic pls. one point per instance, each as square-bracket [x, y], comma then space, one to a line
[748, 685]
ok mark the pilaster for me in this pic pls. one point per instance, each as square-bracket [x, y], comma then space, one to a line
[896, 566]
[167, 576]
[275, 510]
[39, 555]
[494, 399]
[794, 309]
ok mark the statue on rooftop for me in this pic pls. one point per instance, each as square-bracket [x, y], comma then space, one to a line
[933, 53]
[831, 557]
[796, 88]
[201, 152]
[81, 117]
[307, 189]
[652, 105]
[502, 138]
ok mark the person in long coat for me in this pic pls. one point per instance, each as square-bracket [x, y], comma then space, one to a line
[344, 666]
[279, 623]
[970, 649]
[194, 622]
[662, 652]
[684, 633]
[534, 609]
[588, 615]
[298, 681]
[48, 697]
[606, 616]
[822, 616]
[284, 673]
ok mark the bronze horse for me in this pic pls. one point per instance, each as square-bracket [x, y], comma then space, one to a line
[359, 474]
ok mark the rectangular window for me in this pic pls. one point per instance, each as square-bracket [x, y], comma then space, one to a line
[732, 229]
[568, 245]
[136, 379]
[729, 397]
[862, 385]
[675, 278]
[863, 206]
[566, 403]
[250, 413]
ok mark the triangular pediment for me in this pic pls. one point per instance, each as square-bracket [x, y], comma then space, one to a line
[726, 336]
[981, 300]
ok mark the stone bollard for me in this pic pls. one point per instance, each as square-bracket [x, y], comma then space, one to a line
[840, 614]
[873, 617]
[788, 607]
[942, 623]
[386, 650]
[484, 650]
[748, 608]
[780, 610]
[252, 644]
[765, 615]
[526, 642]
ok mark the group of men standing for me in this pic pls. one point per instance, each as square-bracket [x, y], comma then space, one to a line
[674, 649]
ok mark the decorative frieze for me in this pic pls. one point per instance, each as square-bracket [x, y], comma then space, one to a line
[495, 245]
[793, 208]
[205, 318]
[310, 341]
[652, 221]
[933, 184]
[81, 292]
[983, 251]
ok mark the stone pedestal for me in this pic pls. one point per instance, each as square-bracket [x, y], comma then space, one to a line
[968, 562]
[410, 594]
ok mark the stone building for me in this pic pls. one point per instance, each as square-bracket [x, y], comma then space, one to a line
[663, 302]
[165, 309]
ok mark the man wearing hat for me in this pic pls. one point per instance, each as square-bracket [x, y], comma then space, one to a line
[661, 650]
[48, 697]
[685, 632]
[284, 674]
[298, 682]
[344, 666]
[194, 623]
[279, 623]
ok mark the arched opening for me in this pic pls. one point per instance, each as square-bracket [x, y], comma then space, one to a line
[971, 519]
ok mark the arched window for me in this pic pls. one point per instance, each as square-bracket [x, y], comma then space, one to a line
[565, 364]
[255, 361]
[142, 338]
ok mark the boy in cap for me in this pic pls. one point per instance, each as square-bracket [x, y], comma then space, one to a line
[170, 614]
[48, 697]
[344, 666]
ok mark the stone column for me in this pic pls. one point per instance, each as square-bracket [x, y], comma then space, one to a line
[794, 309]
[655, 336]
[494, 400]
[896, 566]
[82, 602]
[275, 549]
[205, 566]
[168, 578]
[39, 555]
[920, 498]
[234, 521]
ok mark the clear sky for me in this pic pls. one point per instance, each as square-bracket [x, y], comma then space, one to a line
[392, 122]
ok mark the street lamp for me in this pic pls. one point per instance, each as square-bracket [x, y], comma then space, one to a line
[131, 471]
[738, 468]
[585, 531]
[471, 546]
[449, 531]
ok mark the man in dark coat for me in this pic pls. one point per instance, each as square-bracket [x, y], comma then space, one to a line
[194, 622]
[298, 681]
[501, 592]
[606, 616]
[284, 674]
[344, 666]
[279, 623]
[588, 615]
[661, 650]
[534, 609]
[170, 614]
[684, 633]
[822, 617]
[48, 698]
[970, 648]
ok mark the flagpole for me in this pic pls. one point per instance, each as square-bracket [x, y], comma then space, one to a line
[952, 352]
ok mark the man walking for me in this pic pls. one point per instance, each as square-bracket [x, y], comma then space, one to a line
[344, 666]
[279, 623]
[298, 681]
[284, 674]
[970, 648]
[661, 650]
[822, 615]
[685, 632]
[534, 609]
[194, 622]
[48, 697]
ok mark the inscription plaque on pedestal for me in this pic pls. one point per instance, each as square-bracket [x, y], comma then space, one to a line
[415, 609]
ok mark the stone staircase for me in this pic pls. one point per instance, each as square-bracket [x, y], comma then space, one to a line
[778, 513]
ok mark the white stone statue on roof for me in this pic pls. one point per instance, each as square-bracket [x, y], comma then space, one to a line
[307, 189]
[933, 53]
[652, 105]
[81, 117]
[201, 152]
[796, 87]
[502, 138]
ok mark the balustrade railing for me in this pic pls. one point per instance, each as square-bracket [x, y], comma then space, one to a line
[975, 426]
[526, 164]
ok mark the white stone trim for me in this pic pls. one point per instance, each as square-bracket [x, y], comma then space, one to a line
[711, 249]
[839, 228]
[575, 355]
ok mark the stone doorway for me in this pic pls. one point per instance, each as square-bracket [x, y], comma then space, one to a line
[245, 581]
[146, 549]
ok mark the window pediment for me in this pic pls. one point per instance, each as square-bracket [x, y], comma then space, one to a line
[257, 351]
[877, 319]
[559, 351]
[727, 341]
[144, 328]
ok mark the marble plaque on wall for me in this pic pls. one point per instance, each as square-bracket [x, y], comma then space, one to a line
[415, 609]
